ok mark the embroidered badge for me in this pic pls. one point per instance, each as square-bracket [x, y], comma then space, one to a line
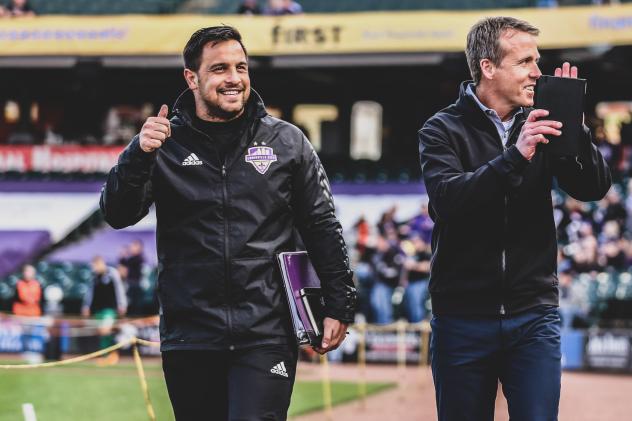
[261, 157]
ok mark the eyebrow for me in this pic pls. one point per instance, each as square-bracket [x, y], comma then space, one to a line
[222, 64]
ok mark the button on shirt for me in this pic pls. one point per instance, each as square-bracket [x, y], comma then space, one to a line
[503, 127]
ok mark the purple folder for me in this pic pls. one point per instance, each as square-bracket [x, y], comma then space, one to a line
[302, 288]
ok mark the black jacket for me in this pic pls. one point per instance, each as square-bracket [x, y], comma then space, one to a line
[221, 224]
[494, 241]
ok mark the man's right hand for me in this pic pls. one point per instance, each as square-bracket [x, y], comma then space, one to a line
[155, 131]
[533, 132]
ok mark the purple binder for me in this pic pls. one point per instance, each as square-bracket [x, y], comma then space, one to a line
[302, 288]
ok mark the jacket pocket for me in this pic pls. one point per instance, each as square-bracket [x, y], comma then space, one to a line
[185, 288]
[258, 302]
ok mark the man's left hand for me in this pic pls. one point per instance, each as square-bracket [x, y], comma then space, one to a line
[566, 71]
[334, 332]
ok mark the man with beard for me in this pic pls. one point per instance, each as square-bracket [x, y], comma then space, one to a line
[231, 186]
[493, 281]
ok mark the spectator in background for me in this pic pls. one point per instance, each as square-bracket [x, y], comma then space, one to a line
[20, 8]
[50, 137]
[387, 268]
[628, 207]
[387, 224]
[362, 230]
[611, 208]
[417, 269]
[249, 7]
[572, 301]
[421, 224]
[132, 263]
[105, 300]
[28, 294]
[283, 7]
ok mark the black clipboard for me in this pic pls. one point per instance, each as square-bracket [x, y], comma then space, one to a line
[563, 98]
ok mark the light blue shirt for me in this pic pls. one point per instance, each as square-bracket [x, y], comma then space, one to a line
[503, 127]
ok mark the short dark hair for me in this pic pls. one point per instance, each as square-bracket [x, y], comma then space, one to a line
[483, 41]
[214, 34]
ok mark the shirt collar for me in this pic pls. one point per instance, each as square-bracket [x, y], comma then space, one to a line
[488, 111]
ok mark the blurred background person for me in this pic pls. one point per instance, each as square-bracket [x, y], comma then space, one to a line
[28, 293]
[20, 8]
[283, 7]
[387, 268]
[249, 7]
[105, 300]
[132, 264]
[417, 273]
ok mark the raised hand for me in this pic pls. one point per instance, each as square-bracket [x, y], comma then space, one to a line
[155, 131]
[566, 70]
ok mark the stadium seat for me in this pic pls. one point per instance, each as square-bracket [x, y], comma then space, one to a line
[607, 285]
[624, 288]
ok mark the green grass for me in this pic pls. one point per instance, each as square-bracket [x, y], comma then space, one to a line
[85, 392]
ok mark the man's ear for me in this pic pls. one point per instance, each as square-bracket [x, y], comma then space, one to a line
[488, 69]
[191, 77]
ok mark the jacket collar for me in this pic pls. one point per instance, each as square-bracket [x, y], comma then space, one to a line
[184, 107]
[471, 110]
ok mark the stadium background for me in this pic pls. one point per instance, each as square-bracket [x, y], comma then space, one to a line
[360, 77]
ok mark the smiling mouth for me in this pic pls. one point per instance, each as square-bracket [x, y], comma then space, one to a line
[231, 92]
[530, 88]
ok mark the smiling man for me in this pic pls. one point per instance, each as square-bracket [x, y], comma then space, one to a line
[493, 280]
[231, 186]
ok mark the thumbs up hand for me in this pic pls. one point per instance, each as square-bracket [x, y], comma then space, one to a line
[155, 131]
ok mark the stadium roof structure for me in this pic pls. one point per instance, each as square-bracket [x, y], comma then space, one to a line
[367, 38]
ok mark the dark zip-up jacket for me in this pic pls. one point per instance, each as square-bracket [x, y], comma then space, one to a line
[494, 244]
[221, 224]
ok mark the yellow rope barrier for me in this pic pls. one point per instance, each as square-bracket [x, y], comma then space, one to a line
[143, 380]
[146, 343]
[326, 380]
[78, 359]
[362, 365]
[134, 342]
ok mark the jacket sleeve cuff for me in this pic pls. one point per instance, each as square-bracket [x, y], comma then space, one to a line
[510, 165]
[511, 160]
[137, 155]
[135, 166]
[343, 308]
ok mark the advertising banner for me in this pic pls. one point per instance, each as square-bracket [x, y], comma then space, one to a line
[608, 350]
[88, 159]
[368, 32]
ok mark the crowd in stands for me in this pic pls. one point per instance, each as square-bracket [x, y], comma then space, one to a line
[392, 264]
[393, 257]
[110, 291]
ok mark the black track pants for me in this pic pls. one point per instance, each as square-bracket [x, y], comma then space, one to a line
[249, 384]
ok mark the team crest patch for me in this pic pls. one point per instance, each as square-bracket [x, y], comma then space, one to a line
[261, 157]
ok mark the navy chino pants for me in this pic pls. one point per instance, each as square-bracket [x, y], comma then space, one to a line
[470, 355]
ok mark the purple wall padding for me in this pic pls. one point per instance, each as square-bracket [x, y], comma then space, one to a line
[378, 188]
[51, 186]
[17, 247]
[95, 186]
[107, 243]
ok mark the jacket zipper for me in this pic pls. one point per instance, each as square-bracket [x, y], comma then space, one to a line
[229, 318]
[503, 263]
